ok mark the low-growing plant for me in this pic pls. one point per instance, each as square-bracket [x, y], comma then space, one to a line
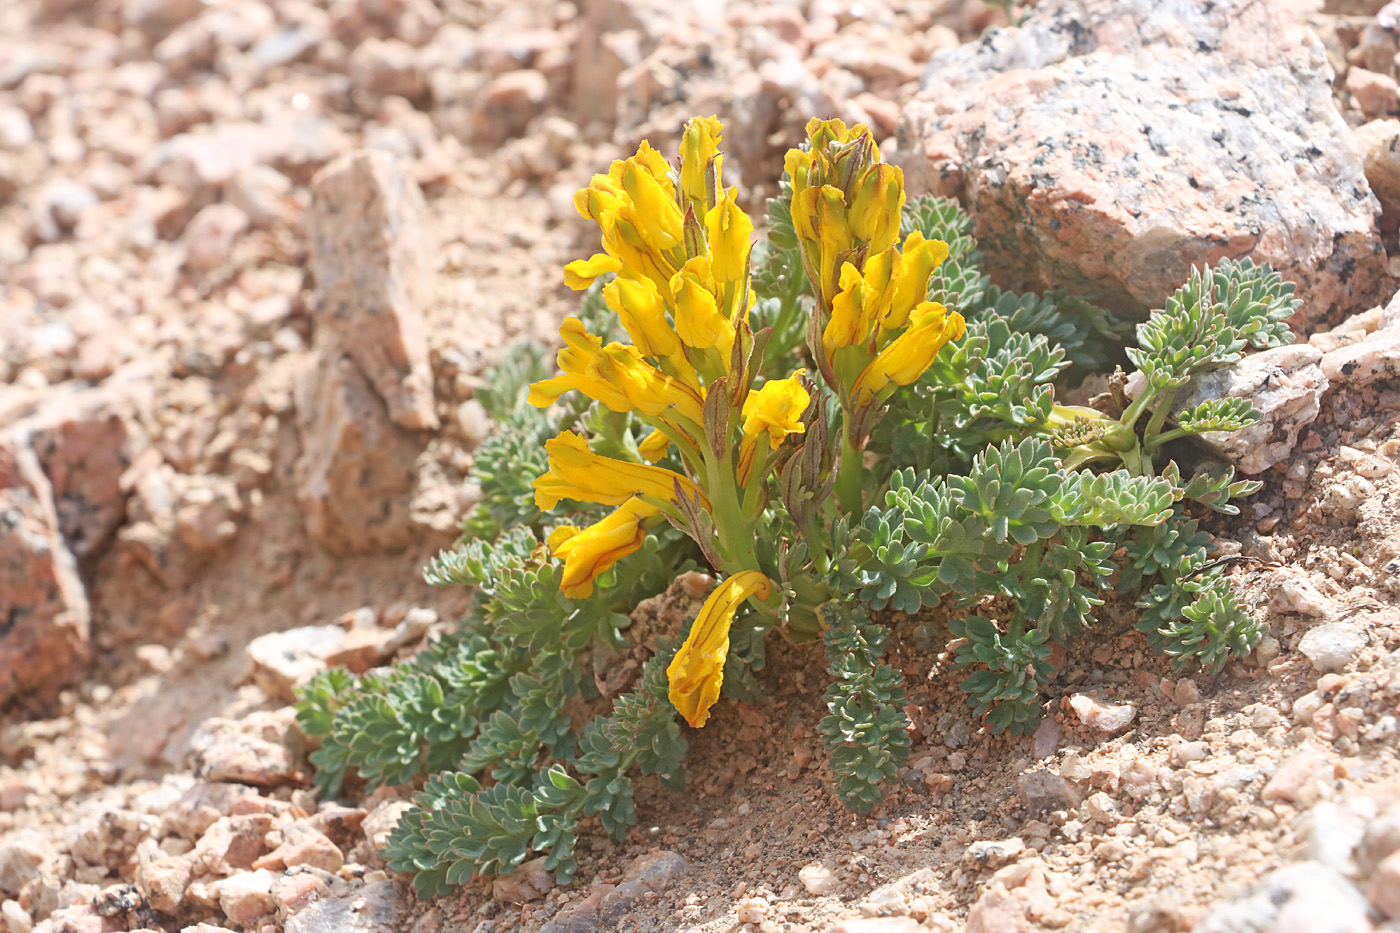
[843, 420]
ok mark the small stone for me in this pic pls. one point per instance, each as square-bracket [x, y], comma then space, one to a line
[1187, 752]
[1186, 693]
[210, 234]
[292, 893]
[16, 917]
[509, 102]
[1374, 358]
[879, 925]
[1376, 95]
[1297, 594]
[1043, 791]
[818, 879]
[751, 910]
[530, 881]
[994, 853]
[381, 822]
[895, 897]
[45, 638]
[1333, 646]
[232, 843]
[1334, 829]
[246, 896]
[163, 881]
[1294, 774]
[377, 907]
[21, 855]
[1384, 889]
[302, 844]
[1104, 717]
[652, 872]
[256, 750]
[356, 475]
[199, 807]
[1298, 898]
[473, 422]
[1046, 738]
[388, 66]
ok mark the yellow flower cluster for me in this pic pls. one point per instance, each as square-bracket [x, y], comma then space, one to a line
[679, 247]
[878, 330]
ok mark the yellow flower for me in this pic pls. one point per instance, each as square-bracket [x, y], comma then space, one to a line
[615, 375]
[580, 347]
[590, 552]
[654, 212]
[697, 671]
[912, 352]
[729, 229]
[639, 306]
[775, 411]
[699, 321]
[580, 273]
[861, 300]
[620, 368]
[919, 257]
[819, 218]
[654, 446]
[577, 473]
[798, 164]
[699, 145]
[876, 201]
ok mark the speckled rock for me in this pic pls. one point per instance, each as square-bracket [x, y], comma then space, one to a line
[530, 881]
[1285, 383]
[1107, 147]
[1298, 594]
[21, 854]
[283, 661]
[1370, 360]
[1333, 646]
[44, 614]
[261, 749]
[1101, 716]
[1378, 142]
[377, 907]
[652, 872]
[897, 897]
[355, 476]
[373, 270]
[1297, 898]
[85, 441]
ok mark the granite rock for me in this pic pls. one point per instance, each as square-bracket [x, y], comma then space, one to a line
[1286, 385]
[371, 256]
[1107, 147]
[356, 473]
[44, 613]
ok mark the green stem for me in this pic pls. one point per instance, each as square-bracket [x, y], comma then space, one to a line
[1152, 443]
[848, 472]
[757, 480]
[1136, 408]
[1029, 568]
[1159, 415]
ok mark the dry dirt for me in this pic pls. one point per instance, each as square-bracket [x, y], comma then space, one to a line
[1070, 829]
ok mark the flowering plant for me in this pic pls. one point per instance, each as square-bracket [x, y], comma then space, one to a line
[840, 420]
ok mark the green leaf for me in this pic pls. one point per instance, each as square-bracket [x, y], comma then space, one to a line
[865, 727]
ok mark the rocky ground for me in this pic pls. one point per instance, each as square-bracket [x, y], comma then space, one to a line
[257, 256]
